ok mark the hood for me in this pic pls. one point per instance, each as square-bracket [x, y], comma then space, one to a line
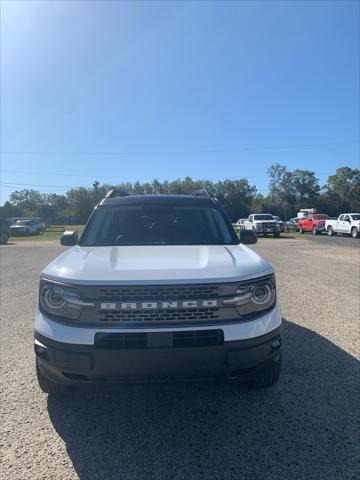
[156, 265]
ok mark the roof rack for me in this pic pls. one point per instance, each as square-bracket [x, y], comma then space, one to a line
[203, 193]
[116, 193]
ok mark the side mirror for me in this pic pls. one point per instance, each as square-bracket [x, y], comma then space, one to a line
[247, 237]
[68, 238]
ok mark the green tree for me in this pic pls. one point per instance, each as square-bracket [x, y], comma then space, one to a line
[344, 188]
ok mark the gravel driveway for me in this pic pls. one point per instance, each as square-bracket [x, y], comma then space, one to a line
[304, 428]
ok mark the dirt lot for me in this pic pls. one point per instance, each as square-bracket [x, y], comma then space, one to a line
[304, 428]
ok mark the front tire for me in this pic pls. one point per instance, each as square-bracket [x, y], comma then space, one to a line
[354, 232]
[330, 231]
[4, 238]
[48, 386]
[269, 377]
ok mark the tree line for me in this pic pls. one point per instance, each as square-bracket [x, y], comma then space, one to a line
[288, 192]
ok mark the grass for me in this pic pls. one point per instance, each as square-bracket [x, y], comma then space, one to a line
[48, 235]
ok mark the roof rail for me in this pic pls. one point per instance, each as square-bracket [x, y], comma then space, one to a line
[201, 193]
[116, 193]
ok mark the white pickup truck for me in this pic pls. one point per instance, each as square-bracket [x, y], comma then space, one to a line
[263, 224]
[347, 223]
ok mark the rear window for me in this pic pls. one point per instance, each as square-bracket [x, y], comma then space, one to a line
[158, 225]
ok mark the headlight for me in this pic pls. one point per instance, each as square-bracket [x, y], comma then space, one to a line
[61, 301]
[253, 297]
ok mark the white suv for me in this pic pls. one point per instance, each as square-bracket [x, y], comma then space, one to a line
[157, 287]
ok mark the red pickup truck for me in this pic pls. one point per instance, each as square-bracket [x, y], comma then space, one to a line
[314, 223]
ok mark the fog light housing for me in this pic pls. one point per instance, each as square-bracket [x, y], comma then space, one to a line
[276, 344]
[40, 349]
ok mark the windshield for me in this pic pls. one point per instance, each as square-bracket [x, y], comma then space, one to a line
[263, 217]
[356, 216]
[320, 217]
[158, 225]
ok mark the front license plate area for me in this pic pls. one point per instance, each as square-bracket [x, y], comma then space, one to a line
[159, 339]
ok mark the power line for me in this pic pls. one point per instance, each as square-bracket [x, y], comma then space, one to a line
[185, 152]
[95, 176]
[63, 187]
[38, 185]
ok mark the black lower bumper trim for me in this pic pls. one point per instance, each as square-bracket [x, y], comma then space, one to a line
[70, 364]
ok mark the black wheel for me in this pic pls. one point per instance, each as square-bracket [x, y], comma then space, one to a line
[48, 386]
[354, 232]
[330, 231]
[301, 230]
[4, 237]
[269, 377]
[276, 234]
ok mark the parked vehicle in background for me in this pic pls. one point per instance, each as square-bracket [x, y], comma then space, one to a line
[13, 220]
[304, 212]
[347, 224]
[314, 223]
[27, 227]
[262, 224]
[281, 223]
[4, 231]
[292, 225]
[240, 224]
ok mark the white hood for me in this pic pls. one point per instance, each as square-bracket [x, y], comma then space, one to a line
[156, 265]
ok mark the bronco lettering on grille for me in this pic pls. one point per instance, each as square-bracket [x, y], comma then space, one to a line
[110, 306]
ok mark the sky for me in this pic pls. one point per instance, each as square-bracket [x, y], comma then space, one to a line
[123, 91]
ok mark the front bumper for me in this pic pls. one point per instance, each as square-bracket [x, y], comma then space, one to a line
[267, 229]
[71, 364]
[70, 355]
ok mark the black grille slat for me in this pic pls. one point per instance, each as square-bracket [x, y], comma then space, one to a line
[136, 341]
[154, 293]
[160, 315]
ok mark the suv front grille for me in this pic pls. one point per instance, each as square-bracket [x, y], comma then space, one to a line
[173, 315]
[141, 317]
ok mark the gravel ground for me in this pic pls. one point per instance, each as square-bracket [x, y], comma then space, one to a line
[304, 428]
[324, 239]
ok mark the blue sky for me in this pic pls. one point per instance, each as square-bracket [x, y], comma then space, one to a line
[206, 89]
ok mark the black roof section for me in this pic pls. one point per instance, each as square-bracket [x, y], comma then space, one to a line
[122, 198]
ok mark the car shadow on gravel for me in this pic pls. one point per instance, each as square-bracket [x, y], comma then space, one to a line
[305, 427]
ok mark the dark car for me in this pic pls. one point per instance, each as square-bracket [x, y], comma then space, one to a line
[292, 225]
[4, 231]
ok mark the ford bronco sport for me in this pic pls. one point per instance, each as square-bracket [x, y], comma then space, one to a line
[157, 288]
